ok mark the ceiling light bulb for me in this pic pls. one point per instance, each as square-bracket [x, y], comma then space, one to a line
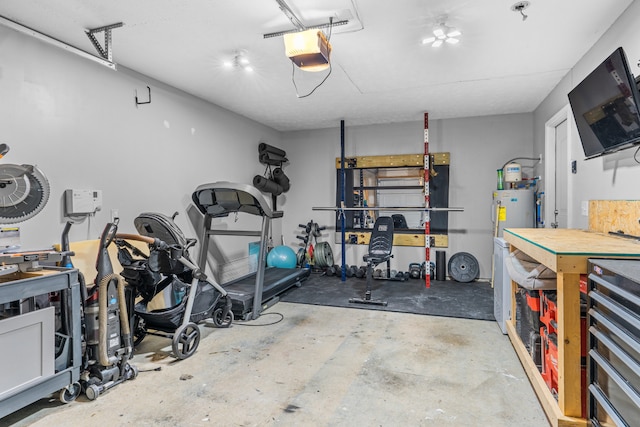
[300, 40]
[443, 33]
[248, 69]
[227, 64]
[243, 60]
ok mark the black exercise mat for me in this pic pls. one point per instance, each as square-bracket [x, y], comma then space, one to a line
[473, 300]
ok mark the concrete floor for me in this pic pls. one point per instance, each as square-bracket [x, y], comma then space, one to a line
[318, 366]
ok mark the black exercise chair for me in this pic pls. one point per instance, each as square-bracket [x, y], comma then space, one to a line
[399, 221]
[380, 246]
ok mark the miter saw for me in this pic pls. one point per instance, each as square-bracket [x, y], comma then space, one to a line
[24, 191]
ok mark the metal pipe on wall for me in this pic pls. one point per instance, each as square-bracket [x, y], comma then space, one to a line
[342, 203]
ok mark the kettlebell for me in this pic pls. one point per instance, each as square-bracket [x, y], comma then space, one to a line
[414, 270]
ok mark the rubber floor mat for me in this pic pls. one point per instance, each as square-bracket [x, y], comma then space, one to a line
[472, 300]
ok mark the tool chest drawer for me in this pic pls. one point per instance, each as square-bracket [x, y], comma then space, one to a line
[614, 342]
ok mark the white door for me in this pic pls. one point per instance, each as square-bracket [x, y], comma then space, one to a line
[561, 202]
[557, 201]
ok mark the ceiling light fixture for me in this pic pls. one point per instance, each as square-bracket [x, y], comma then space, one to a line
[443, 34]
[519, 7]
[239, 61]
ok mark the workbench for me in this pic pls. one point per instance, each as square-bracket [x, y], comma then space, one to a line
[564, 251]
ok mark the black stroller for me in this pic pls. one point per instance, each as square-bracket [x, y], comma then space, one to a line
[195, 298]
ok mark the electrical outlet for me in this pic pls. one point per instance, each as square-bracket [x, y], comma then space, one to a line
[584, 208]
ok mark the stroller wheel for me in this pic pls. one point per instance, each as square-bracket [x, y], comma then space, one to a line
[219, 322]
[185, 340]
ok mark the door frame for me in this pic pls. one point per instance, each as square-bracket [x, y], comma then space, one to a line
[550, 163]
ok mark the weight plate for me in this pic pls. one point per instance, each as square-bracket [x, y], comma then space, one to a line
[463, 267]
[323, 255]
[300, 257]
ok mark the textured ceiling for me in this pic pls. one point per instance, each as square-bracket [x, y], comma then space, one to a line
[381, 72]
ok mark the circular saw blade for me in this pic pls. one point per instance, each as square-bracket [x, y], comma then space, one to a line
[24, 191]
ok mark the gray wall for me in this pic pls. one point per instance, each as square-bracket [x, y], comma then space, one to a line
[478, 146]
[611, 177]
[77, 121]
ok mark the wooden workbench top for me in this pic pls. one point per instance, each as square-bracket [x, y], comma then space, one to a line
[567, 250]
[578, 242]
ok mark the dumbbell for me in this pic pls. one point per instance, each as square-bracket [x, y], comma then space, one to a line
[361, 272]
[354, 270]
[351, 270]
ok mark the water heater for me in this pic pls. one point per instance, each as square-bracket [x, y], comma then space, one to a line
[513, 209]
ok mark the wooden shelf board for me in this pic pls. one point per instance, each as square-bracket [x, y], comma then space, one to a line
[398, 160]
[548, 402]
[404, 239]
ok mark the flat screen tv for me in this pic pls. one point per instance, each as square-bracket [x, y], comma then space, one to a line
[605, 106]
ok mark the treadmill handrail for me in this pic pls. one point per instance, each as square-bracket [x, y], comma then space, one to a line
[243, 192]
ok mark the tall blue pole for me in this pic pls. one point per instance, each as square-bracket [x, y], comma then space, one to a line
[342, 203]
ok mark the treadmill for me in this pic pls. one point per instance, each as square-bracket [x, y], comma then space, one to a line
[257, 291]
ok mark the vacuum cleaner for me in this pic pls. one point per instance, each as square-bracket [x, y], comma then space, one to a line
[108, 340]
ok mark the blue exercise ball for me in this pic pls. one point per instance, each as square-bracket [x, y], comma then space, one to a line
[282, 257]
